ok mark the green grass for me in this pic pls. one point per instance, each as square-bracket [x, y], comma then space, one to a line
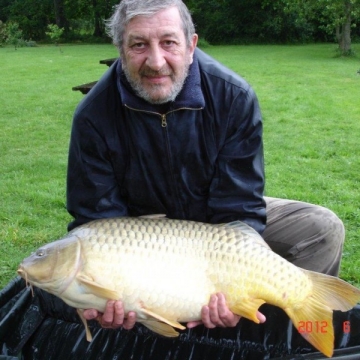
[311, 109]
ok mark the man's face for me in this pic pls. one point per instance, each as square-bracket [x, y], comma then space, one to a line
[155, 55]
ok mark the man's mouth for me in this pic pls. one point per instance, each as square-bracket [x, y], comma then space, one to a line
[156, 79]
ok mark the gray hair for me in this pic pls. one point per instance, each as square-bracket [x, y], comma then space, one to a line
[128, 9]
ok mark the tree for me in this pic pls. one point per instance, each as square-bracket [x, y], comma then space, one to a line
[32, 16]
[102, 10]
[248, 21]
[89, 11]
[345, 11]
[337, 17]
[60, 15]
[4, 10]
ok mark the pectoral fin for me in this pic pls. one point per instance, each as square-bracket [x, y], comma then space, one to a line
[160, 328]
[162, 319]
[248, 308]
[97, 289]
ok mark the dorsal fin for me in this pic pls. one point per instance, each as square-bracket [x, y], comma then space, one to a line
[153, 216]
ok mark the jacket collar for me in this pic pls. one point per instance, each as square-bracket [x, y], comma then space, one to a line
[190, 96]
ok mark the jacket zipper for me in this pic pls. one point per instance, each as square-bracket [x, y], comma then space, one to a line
[164, 126]
[163, 120]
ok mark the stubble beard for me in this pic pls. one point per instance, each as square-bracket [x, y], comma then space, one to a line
[177, 84]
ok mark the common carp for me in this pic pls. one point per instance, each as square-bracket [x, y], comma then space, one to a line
[165, 270]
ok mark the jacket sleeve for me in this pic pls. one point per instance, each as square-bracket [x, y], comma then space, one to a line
[92, 188]
[236, 192]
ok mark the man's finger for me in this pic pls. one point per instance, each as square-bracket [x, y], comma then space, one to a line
[130, 321]
[118, 315]
[192, 324]
[222, 309]
[206, 313]
[261, 317]
[108, 316]
[226, 317]
[90, 314]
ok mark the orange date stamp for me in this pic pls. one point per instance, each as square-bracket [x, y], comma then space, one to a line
[319, 327]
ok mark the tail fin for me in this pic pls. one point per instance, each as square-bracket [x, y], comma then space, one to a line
[314, 318]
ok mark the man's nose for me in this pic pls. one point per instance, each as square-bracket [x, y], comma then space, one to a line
[155, 59]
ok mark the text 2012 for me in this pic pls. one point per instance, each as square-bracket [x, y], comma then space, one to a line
[319, 327]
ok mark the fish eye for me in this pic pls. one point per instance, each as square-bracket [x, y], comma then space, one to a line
[40, 252]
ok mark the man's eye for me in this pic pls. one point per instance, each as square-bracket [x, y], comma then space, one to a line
[138, 46]
[169, 43]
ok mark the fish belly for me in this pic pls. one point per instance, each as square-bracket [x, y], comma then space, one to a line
[174, 284]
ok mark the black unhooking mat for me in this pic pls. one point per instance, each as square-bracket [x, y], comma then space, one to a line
[43, 327]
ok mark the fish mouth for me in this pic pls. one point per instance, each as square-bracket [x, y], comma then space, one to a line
[21, 272]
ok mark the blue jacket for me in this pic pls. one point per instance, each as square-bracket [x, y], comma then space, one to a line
[197, 158]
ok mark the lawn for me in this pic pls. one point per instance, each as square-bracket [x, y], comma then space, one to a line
[311, 109]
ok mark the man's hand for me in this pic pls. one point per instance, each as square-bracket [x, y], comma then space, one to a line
[113, 316]
[217, 314]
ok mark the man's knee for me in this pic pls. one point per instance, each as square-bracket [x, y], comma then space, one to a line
[330, 227]
[310, 236]
[325, 242]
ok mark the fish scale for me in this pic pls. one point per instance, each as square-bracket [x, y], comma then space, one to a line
[166, 270]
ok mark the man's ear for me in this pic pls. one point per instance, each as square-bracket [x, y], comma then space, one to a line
[193, 46]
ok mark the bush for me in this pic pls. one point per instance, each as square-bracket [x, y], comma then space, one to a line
[30, 43]
[14, 35]
[54, 33]
[3, 35]
[202, 43]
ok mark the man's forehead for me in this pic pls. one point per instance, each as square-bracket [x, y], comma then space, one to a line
[162, 23]
[138, 36]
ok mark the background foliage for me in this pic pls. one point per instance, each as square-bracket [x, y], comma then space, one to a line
[217, 21]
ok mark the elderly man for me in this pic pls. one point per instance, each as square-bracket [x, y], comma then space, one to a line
[170, 130]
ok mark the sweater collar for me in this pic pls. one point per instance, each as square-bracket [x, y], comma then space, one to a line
[190, 96]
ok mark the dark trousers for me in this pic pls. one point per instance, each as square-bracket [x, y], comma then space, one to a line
[309, 236]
